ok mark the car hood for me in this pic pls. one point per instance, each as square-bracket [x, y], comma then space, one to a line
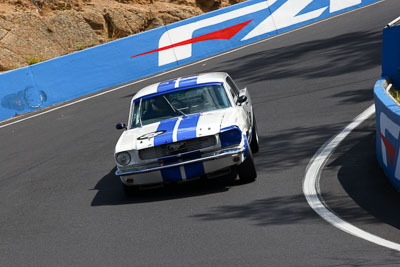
[176, 129]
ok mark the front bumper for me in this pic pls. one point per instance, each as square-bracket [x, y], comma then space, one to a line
[184, 170]
[219, 154]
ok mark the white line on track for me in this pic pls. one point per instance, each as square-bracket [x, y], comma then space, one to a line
[312, 192]
[50, 109]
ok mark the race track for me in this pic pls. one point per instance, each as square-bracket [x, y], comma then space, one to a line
[61, 203]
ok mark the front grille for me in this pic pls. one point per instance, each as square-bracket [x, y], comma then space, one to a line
[177, 147]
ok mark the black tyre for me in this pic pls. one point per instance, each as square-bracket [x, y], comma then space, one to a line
[254, 139]
[247, 170]
[230, 178]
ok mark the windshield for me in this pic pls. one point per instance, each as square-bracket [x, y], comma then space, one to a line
[179, 103]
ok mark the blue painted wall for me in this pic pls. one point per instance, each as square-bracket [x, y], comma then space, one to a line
[84, 72]
[77, 74]
[387, 133]
[387, 111]
[391, 54]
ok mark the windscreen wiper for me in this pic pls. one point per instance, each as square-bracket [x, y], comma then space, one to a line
[174, 108]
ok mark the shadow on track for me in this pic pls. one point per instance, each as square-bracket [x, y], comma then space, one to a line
[278, 211]
[359, 174]
[110, 191]
[360, 93]
[357, 96]
[288, 148]
[320, 58]
[363, 179]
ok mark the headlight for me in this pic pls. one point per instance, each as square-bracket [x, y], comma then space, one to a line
[230, 137]
[123, 158]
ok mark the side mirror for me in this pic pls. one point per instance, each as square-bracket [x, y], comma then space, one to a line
[241, 99]
[120, 126]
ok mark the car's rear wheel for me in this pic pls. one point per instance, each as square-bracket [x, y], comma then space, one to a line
[254, 139]
[247, 170]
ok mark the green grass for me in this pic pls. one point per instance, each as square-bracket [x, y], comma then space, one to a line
[63, 6]
[395, 94]
[33, 60]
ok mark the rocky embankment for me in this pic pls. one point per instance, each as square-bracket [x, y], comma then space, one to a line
[36, 30]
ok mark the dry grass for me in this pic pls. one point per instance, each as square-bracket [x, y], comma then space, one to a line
[394, 92]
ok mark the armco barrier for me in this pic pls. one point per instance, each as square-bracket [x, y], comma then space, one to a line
[65, 78]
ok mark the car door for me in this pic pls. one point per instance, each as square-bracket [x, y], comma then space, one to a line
[245, 106]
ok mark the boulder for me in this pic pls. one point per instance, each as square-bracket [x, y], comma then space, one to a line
[169, 13]
[123, 22]
[30, 37]
[10, 60]
[70, 30]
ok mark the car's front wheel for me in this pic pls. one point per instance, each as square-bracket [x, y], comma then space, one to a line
[254, 139]
[231, 177]
[247, 170]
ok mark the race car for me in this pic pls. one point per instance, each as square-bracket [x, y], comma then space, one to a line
[200, 126]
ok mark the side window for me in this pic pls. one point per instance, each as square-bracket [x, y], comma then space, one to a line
[232, 85]
[232, 92]
[135, 116]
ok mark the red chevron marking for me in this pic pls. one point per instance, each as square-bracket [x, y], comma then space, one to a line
[390, 149]
[224, 34]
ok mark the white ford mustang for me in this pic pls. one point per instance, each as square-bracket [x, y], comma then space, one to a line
[186, 128]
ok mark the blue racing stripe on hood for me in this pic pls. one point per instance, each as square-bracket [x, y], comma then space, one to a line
[187, 127]
[167, 126]
[188, 81]
[167, 85]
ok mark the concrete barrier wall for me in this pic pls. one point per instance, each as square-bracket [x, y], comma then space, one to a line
[84, 72]
[387, 133]
[387, 110]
